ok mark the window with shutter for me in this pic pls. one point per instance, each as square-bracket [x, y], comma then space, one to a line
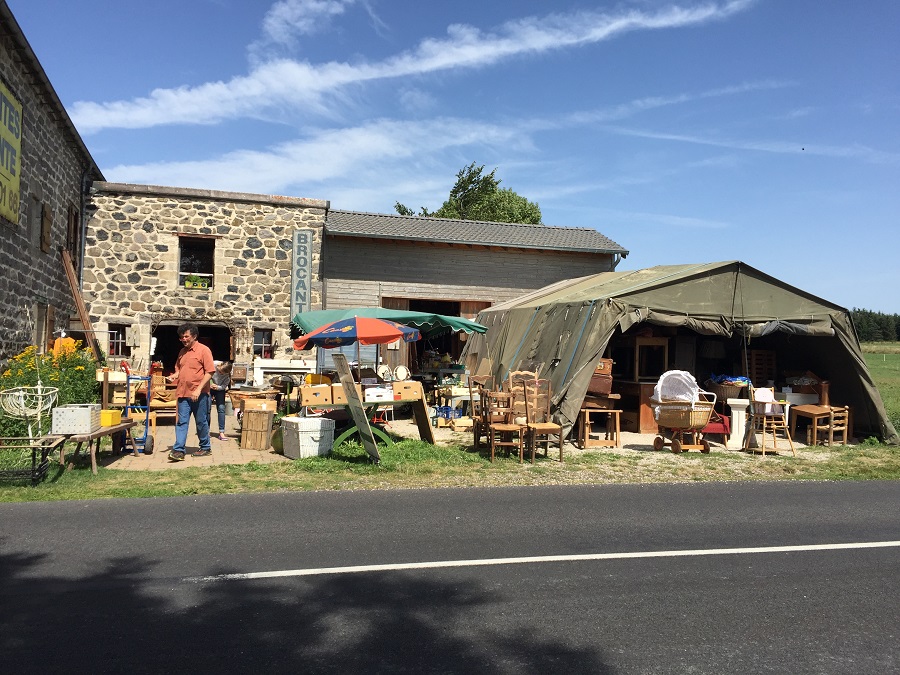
[46, 226]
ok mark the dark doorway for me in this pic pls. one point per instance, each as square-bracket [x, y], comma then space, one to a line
[214, 336]
[449, 342]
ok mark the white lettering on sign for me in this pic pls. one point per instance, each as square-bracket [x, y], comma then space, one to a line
[302, 279]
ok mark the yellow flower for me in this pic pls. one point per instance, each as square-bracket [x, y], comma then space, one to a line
[79, 367]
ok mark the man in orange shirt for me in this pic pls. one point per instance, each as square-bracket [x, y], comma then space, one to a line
[193, 370]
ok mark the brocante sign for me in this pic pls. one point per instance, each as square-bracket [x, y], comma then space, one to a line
[10, 153]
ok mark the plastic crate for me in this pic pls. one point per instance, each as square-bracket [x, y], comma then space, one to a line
[76, 418]
[307, 436]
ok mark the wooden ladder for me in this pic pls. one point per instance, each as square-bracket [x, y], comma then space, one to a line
[79, 305]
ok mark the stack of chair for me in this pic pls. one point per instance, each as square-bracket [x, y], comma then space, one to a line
[502, 429]
[539, 424]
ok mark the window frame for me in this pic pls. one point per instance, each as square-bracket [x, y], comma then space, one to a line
[118, 336]
[204, 245]
[260, 348]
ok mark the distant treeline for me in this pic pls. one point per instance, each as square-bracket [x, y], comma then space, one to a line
[876, 326]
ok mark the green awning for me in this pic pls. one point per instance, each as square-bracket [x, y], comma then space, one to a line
[428, 324]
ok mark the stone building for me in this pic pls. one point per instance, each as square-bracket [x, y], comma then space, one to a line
[45, 171]
[241, 265]
[156, 257]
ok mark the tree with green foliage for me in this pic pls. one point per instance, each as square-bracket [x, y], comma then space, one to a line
[478, 196]
[875, 326]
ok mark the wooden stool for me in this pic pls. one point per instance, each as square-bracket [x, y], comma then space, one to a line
[613, 436]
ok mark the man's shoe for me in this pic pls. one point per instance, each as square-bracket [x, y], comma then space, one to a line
[176, 456]
[201, 453]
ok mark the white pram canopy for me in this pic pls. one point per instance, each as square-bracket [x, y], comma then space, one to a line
[677, 385]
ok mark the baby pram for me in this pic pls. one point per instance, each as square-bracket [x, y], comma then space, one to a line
[681, 409]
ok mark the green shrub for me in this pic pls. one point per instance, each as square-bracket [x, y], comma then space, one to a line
[72, 371]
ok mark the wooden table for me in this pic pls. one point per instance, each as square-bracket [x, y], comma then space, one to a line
[612, 429]
[813, 413]
[93, 441]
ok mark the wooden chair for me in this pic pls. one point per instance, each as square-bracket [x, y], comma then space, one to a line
[516, 377]
[537, 415]
[838, 424]
[767, 416]
[502, 430]
[478, 388]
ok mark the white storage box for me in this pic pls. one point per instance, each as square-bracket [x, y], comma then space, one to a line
[375, 394]
[76, 418]
[306, 436]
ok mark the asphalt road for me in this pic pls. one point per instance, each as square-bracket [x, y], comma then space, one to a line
[124, 585]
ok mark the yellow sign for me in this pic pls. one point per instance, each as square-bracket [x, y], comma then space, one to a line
[10, 154]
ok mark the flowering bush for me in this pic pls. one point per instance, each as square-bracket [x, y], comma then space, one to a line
[72, 371]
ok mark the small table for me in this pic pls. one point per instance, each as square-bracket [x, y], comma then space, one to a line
[612, 429]
[814, 413]
[93, 441]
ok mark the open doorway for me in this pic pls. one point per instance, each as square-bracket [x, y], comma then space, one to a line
[449, 342]
[215, 336]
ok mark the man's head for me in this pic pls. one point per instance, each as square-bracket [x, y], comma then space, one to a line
[187, 333]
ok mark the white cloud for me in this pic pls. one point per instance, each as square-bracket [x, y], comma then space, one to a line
[306, 86]
[325, 155]
[854, 151]
[288, 17]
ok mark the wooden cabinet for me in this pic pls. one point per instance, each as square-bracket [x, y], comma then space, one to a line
[640, 359]
[638, 416]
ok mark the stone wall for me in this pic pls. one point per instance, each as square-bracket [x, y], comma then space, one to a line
[54, 164]
[131, 262]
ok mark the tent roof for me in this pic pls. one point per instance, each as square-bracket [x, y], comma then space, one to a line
[730, 288]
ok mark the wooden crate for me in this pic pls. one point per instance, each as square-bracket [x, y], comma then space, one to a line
[256, 429]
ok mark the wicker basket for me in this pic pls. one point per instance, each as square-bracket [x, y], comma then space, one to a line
[681, 415]
[237, 395]
[725, 391]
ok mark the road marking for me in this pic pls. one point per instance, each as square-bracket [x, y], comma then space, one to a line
[355, 569]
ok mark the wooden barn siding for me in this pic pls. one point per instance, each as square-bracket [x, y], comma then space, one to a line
[360, 271]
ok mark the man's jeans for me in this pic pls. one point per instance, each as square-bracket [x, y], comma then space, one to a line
[200, 410]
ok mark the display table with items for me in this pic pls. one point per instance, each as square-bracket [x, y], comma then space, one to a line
[322, 400]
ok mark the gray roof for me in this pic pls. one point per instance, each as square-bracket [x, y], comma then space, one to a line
[471, 232]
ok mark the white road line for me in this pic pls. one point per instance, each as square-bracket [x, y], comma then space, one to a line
[355, 569]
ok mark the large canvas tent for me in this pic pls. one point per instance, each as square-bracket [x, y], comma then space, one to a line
[565, 328]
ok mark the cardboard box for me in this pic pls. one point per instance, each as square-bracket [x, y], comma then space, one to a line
[462, 424]
[409, 391]
[258, 404]
[316, 395]
[377, 394]
[76, 418]
[110, 418]
[339, 398]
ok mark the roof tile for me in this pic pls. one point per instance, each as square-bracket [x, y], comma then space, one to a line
[477, 232]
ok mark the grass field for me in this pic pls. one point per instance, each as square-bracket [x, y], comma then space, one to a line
[414, 465]
[883, 360]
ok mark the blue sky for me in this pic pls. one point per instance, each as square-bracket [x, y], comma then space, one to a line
[688, 131]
